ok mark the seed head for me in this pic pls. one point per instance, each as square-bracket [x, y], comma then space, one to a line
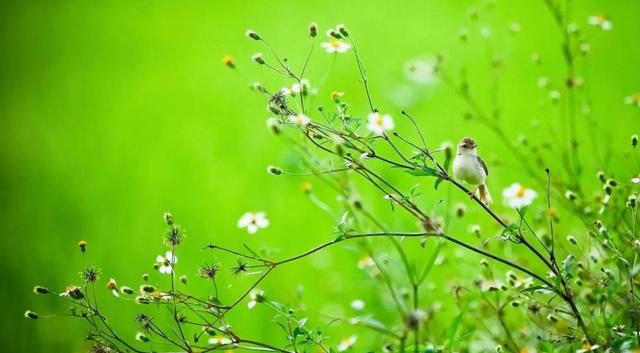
[174, 236]
[209, 271]
[240, 268]
[90, 274]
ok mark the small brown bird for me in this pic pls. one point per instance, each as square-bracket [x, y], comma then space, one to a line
[470, 168]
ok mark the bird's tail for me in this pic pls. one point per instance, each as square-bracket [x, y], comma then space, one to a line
[482, 192]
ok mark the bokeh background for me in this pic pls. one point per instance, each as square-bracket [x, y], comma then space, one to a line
[115, 112]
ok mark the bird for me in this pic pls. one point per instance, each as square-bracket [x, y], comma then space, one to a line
[471, 169]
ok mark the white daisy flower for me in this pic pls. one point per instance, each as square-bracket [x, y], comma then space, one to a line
[636, 180]
[379, 123]
[600, 21]
[219, 340]
[336, 46]
[421, 71]
[358, 304]
[165, 263]
[517, 196]
[300, 119]
[347, 343]
[256, 296]
[253, 221]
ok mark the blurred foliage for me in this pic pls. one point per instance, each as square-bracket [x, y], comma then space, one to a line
[115, 112]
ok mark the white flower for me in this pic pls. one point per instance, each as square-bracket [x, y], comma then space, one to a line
[347, 343]
[601, 21]
[165, 263]
[516, 196]
[256, 296]
[253, 221]
[421, 71]
[379, 123]
[219, 340]
[636, 180]
[357, 304]
[299, 119]
[336, 46]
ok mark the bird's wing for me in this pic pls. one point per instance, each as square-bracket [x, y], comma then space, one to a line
[484, 166]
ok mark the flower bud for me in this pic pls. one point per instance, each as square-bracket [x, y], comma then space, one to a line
[461, 209]
[141, 299]
[600, 175]
[257, 58]
[306, 188]
[612, 183]
[183, 279]
[168, 218]
[273, 125]
[228, 62]
[142, 337]
[146, 288]
[31, 315]
[40, 290]
[343, 30]
[274, 170]
[313, 30]
[634, 141]
[552, 318]
[335, 96]
[145, 277]
[332, 33]
[82, 245]
[571, 239]
[570, 195]
[607, 189]
[251, 34]
[112, 284]
[126, 290]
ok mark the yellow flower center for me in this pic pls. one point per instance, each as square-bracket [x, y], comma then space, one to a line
[379, 120]
[336, 43]
[521, 191]
[636, 97]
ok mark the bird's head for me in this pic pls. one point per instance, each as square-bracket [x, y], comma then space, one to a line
[467, 145]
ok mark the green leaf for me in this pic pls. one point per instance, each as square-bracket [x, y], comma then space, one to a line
[453, 328]
[447, 161]
[423, 171]
[437, 183]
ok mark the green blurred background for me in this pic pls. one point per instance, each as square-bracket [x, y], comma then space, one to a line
[114, 112]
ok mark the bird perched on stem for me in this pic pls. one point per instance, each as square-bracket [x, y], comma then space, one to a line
[471, 169]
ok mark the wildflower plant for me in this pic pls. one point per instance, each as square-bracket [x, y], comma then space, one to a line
[547, 287]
